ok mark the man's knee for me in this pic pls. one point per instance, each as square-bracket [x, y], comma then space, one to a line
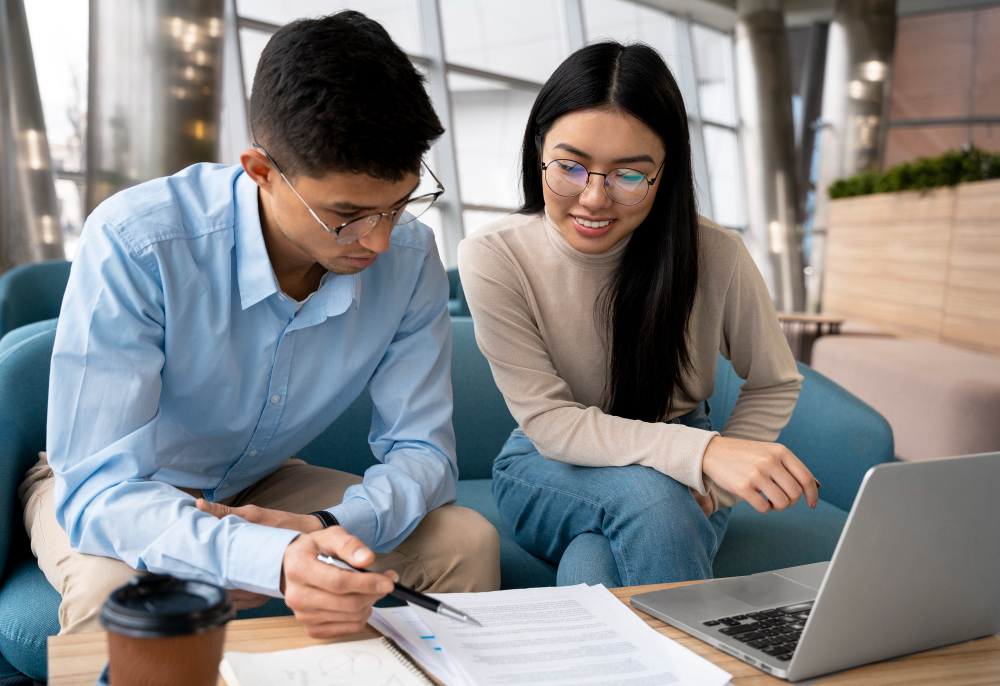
[467, 551]
[87, 583]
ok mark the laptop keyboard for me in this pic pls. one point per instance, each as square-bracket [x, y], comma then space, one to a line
[773, 632]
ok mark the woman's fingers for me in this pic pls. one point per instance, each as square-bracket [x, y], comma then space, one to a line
[777, 497]
[805, 478]
[757, 501]
[788, 484]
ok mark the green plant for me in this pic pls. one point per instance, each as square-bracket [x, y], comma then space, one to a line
[970, 164]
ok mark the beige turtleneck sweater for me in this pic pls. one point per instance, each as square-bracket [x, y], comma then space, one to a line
[532, 297]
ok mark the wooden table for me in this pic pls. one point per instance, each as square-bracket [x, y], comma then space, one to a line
[77, 660]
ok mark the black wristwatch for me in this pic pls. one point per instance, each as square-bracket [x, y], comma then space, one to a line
[327, 518]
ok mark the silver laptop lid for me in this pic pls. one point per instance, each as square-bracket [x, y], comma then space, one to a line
[917, 566]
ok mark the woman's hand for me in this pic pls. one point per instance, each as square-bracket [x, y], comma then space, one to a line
[755, 471]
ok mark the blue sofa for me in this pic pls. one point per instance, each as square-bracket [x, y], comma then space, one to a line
[834, 433]
[31, 293]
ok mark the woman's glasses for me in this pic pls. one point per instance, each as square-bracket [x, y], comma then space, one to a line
[624, 186]
[348, 232]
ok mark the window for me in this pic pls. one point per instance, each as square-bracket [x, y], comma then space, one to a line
[494, 61]
[399, 17]
[520, 38]
[58, 34]
[489, 120]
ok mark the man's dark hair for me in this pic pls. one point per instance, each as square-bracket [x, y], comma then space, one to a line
[336, 94]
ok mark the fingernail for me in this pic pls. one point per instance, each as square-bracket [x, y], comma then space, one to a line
[360, 555]
[818, 484]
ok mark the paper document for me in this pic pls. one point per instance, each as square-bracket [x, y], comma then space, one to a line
[573, 636]
[373, 662]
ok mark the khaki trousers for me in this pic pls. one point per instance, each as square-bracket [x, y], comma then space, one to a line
[453, 549]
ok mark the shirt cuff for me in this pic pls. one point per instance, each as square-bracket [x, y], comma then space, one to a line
[255, 558]
[357, 515]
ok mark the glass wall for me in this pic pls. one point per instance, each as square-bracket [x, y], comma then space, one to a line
[945, 85]
[492, 63]
[58, 32]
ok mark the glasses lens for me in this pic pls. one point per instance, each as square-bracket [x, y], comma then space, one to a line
[415, 208]
[566, 177]
[627, 186]
[357, 229]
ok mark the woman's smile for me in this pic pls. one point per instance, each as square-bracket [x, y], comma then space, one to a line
[592, 228]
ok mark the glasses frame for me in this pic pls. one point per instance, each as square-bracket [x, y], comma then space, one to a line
[649, 181]
[372, 219]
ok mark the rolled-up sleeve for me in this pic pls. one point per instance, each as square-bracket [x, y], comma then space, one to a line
[103, 416]
[411, 432]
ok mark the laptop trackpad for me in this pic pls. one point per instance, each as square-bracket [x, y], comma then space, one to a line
[762, 591]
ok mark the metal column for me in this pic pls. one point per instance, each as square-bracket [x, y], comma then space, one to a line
[234, 119]
[768, 139]
[451, 203]
[155, 90]
[29, 216]
[855, 95]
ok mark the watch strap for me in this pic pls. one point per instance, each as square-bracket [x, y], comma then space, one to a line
[327, 518]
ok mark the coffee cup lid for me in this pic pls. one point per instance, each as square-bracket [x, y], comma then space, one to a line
[157, 605]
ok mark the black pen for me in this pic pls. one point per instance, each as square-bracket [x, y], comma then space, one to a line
[408, 594]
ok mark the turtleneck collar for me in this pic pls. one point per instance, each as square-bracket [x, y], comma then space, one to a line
[605, 260]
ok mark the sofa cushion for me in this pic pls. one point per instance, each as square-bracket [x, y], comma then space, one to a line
[12, 338]
[756, 542]
[518, 567]
[29, 614]
[940, 400]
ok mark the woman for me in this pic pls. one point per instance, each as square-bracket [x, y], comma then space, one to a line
[602, 308]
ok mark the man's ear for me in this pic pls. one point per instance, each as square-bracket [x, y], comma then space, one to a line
[259, 168]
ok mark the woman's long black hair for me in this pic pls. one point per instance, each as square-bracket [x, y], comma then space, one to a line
[646, 304]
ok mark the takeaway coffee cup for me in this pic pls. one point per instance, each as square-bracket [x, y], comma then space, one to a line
[164, 631]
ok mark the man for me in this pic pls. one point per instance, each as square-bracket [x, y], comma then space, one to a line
[218, 320]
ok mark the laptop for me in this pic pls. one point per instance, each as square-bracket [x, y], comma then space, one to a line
[917, 566]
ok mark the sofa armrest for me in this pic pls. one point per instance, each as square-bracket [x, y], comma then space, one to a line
[24, 388]
[836, 435]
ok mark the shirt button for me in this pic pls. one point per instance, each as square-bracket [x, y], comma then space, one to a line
[253, 453]
[275, 398]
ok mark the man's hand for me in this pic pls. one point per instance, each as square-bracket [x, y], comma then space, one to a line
[265, 517]
[244, 600]
[753, 470]
[329, 601]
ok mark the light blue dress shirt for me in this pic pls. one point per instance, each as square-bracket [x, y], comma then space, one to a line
[179, 362]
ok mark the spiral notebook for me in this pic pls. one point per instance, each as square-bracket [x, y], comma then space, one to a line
[374, 662]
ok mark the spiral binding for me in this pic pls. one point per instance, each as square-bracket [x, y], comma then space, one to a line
[405, 660]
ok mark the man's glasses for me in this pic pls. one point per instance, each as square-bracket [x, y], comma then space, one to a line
[349, 232]
[624, 186]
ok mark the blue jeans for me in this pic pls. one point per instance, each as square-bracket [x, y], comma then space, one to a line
[620, 526]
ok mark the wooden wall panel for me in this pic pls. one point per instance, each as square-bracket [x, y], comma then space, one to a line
[972, 298]
[919, 265]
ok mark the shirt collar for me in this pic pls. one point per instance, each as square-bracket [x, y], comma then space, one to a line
[253, 266]
[255, 273]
